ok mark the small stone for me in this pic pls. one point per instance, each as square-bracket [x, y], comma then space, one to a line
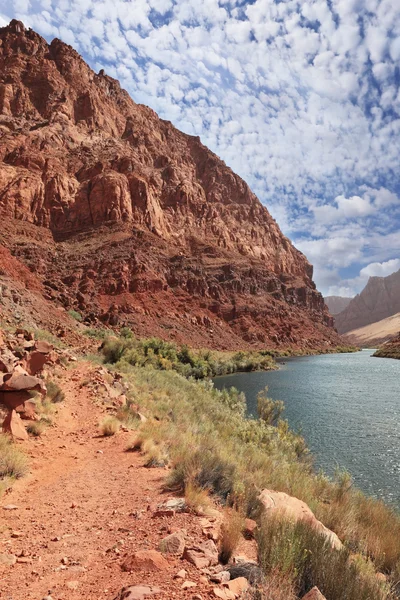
[64, 560]
[72, 585]
[8, 559]
[186, 585]
[173, 543]
[221, 577]
[181, 574]
[17, 534]
[145, 560]
[10, 507]
[24, 560]
[238, 585]
[137, 592]
[250, 527]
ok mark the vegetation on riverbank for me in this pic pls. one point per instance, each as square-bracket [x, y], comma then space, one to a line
[390, 349]
[199, 364]
[203, 435]
[168, 356]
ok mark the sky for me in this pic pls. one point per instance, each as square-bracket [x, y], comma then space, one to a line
[299, 97]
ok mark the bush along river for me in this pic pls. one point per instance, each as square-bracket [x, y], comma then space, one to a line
[347, 407]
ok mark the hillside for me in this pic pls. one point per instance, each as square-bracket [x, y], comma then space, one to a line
[336, 304]
[379, 299]
[375, 334]
[114, 214]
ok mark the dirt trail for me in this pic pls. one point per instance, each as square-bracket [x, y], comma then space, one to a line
[79, 506]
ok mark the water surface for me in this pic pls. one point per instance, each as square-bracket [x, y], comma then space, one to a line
[347, 407]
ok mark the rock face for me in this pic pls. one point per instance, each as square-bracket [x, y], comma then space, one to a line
[128, 221]
[379, 299]
[293, 509]
[336, 304]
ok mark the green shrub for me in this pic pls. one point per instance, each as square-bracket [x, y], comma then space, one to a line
[75, 315]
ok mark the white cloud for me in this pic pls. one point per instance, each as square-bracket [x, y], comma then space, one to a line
[381, 269]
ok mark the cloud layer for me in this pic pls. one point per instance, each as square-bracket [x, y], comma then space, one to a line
[300, 97]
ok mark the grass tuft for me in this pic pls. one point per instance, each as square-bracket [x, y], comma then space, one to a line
[12, 462]
[231, 533]
[109, 426]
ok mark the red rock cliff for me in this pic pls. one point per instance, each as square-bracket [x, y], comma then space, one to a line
[127, 220]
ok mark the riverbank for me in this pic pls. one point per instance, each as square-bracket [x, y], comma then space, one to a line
[390, 349]
[346, 407]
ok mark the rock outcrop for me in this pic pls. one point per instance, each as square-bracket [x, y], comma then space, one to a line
[379, 299]
[336, 304]
[291, 508]
[126, 220]
[21, 359]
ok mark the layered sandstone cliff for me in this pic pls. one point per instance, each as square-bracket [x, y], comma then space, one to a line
[125, 219]
[379, 299]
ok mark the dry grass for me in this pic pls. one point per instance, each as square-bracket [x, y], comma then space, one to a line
[231, 533]
[12, 462]
[197, 499]
[109, 426]
[155, 454]
[304, 557]
[274, 587]
[36, 428]
[54, 392]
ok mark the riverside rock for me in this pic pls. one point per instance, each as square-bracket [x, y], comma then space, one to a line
[314, 594]
[293, 509]
[149, 228]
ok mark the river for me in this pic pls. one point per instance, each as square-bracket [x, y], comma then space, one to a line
[347, 407]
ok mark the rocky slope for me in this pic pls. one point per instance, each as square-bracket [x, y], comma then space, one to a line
[336, 304]
[126, 220]
[379, 299]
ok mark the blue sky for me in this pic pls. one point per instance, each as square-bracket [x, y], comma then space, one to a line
[300, 97]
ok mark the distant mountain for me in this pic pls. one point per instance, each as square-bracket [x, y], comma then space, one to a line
[379, 299]
[336, 304]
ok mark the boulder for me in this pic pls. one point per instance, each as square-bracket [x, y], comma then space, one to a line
[35, 362]
[248, 570]
[145, 560]
[137, 592]
[13, 425]
[20, 380]
[314, 594]
[279, 503]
